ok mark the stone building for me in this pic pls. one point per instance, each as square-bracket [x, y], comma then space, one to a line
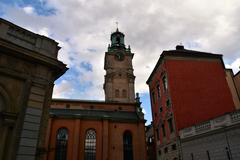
[150, 142]
[217, 138]
[28, 69]
[101, 130]
[237, 82]
[185, 88]
[233, 87]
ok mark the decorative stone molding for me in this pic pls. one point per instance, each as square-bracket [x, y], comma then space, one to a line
[24, 38]
[211, 125]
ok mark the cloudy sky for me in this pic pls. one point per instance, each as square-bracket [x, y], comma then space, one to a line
[83, 28]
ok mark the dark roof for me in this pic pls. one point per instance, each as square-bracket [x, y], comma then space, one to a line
[95, 114]
[90, 101]
[183, 53]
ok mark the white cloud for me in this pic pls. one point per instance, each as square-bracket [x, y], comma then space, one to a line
[144, 111]
[44, 31]
[83, 30]
[235, 66]
[63, 89]
[28, 9]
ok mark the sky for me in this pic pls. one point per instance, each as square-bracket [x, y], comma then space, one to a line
[83, 27]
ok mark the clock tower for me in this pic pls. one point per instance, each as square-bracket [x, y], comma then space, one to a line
[119, 78]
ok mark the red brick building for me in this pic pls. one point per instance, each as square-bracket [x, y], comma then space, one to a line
[101, 130]
[187, 87]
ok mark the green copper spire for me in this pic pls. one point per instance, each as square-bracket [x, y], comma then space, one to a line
[117, 39]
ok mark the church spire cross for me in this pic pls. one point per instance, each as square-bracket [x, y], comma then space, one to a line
[117, 25]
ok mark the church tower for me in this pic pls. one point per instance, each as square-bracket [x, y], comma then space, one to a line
[119, 78]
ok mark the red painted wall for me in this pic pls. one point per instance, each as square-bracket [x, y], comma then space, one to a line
[198, 90]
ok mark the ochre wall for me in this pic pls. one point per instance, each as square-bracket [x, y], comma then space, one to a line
[109, 138]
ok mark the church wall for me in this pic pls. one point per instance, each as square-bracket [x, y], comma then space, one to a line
[109, 138]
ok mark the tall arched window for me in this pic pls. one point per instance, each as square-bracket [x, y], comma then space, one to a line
[90, 145]
[61, 144]
[127, 146]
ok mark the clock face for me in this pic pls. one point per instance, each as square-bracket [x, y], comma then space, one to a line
[119, 56]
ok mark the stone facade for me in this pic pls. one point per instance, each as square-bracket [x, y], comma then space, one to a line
[214, 139]
[150, 142]
[232, 87]
[28, 69]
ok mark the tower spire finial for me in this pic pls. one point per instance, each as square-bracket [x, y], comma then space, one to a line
[117, 25]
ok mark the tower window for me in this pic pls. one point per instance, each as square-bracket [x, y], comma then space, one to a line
[118, 40]
[61, 144]
[124, 93]
[117, 93]
[90, 145]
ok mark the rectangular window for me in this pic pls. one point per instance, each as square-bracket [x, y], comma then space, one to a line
[163, 130]
[159, 152]
[164, 81]
[174, 147]
[117, 93]
[166, 150]
[153, 97]
[160, 109]
[158, 91]
[170, 125]
[168, 103]
[157, 132]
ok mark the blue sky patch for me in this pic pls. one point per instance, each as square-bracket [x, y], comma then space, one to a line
[92, 50]
[40, 6]
[146, 105]
[87, 66]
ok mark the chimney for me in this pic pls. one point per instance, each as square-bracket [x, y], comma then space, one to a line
[180, 47]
